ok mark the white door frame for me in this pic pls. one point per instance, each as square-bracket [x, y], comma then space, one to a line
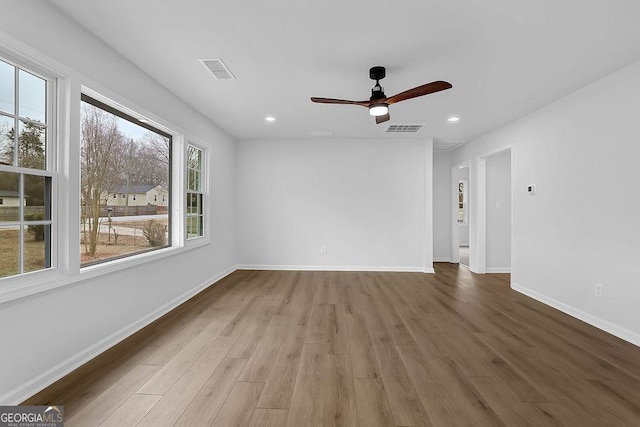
[479, 264]
[480, 225]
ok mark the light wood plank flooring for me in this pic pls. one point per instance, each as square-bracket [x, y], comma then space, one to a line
[266, 348]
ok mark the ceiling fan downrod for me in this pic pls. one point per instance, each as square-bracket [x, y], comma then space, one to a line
[377, 73]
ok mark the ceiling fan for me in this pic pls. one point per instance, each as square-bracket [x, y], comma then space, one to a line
[378, 104]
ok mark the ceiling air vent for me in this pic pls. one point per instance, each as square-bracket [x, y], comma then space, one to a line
[404, 128]
[218, 68]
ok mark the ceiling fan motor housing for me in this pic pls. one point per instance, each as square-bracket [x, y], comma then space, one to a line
[377, 73]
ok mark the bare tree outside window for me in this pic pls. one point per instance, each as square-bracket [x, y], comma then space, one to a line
[119, 155]
[102, 167]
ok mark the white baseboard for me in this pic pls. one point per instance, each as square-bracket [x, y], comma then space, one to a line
[612, 328]
[333, 268]
[498, 270]
[442, 259]
[45, 379]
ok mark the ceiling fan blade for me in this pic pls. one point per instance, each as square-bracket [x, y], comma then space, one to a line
[382, 119]
[339, 101]
[419, 91]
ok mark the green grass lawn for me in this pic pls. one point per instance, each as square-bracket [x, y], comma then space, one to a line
[10, 253]
[34, 253]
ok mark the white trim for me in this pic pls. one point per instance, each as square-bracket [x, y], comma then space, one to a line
[45, 379]
[334, 268]
[498, 270]
[442, 259]
[612, 328]
[427, 214]
[479, 262]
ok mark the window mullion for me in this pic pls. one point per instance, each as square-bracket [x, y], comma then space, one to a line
[16, 109]
[21, 221]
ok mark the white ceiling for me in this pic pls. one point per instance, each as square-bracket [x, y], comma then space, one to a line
[505, 58]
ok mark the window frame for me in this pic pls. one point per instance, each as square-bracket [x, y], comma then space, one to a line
[112, 107]
[203, 191]
[50, 165]
[63, 139]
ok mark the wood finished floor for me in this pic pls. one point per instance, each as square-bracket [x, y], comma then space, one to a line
[350, 348]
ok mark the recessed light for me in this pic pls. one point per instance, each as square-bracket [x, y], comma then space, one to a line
[270, 119]
[453, 119]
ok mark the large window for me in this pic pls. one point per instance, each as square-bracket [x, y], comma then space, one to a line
[121, 155]
[26, 175]
[195, 192]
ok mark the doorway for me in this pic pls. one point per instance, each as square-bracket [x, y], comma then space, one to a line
[461, 247]
[462, 215]
[481, 200]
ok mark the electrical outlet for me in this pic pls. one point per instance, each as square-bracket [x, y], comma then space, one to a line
[323, 249]
[598, 290]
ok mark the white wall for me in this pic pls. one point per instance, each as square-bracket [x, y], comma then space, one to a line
[464, 235]
[581, 227]
[45, 335]
[441, 206]
[499, 217]
[367, 201]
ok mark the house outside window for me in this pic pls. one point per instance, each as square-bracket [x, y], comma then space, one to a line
[26, 170]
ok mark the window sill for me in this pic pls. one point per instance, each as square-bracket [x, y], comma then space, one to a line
[29, 284]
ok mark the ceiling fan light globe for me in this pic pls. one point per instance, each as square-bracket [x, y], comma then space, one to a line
[378, 110]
